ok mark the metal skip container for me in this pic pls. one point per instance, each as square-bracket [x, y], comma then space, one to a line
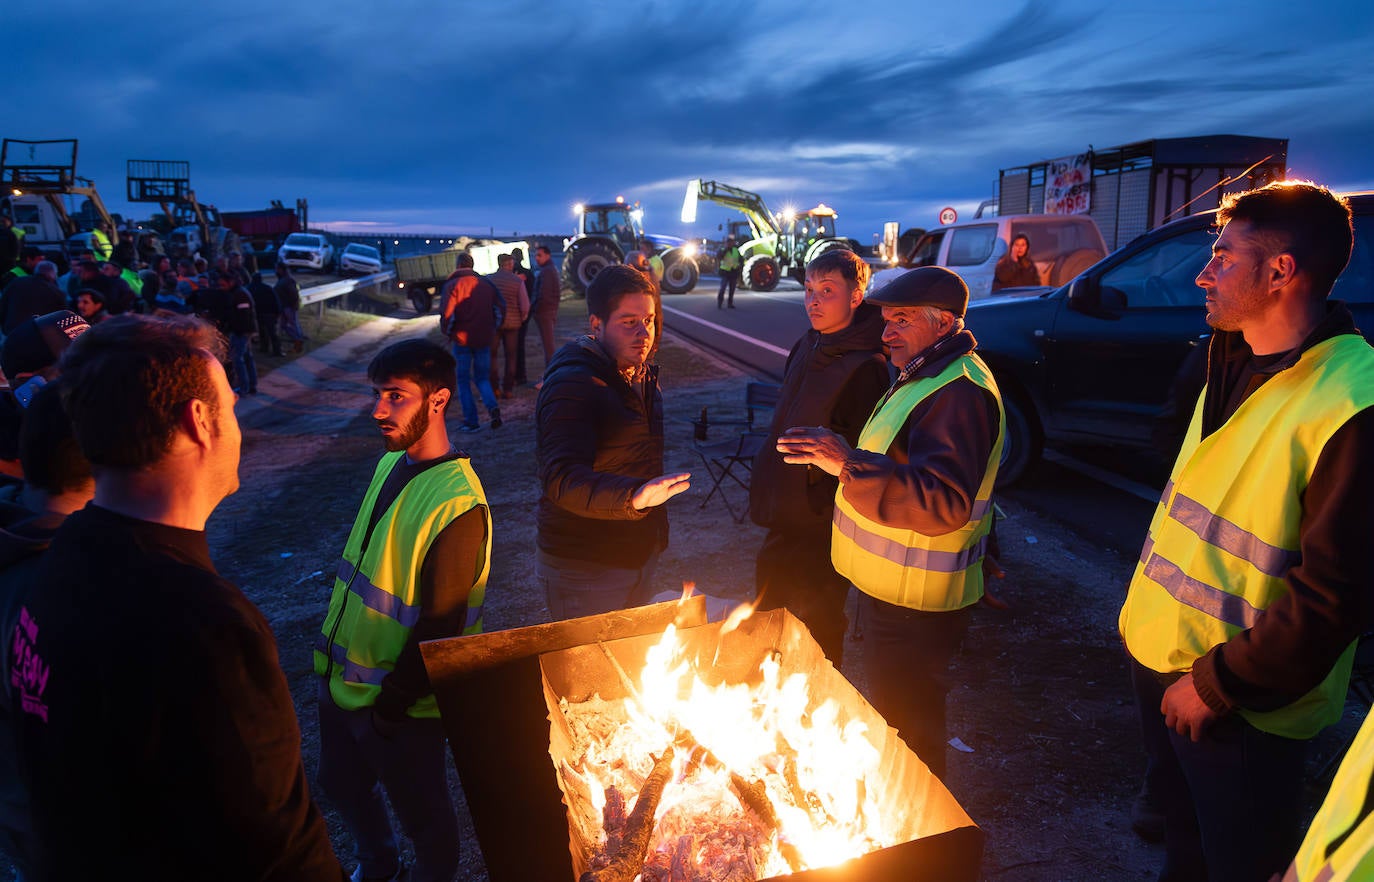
[515, 710]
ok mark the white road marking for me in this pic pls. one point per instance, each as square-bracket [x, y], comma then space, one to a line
[1126, 485]
[730, 332]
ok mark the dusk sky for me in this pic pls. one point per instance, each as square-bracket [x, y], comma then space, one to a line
[470, 117]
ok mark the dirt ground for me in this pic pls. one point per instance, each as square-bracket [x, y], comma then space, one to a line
[1040, 695]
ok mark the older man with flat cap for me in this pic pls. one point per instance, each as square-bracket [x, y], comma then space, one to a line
[914, 507]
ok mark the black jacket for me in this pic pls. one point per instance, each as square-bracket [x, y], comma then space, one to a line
[831, 380]
[598, 441]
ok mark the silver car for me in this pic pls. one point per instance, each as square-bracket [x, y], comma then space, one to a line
[359, 258]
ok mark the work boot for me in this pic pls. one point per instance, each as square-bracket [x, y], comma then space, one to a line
[496, 417]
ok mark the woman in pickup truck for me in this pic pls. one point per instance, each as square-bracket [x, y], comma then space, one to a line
[1016, 269]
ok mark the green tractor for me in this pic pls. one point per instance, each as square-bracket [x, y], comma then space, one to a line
[781, 244]
[607, 233]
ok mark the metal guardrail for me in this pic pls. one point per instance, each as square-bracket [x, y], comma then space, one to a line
[330, 290]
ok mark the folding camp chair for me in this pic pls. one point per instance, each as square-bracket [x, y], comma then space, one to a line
[732, 459]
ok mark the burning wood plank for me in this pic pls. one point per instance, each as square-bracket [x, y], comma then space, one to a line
[628, 861]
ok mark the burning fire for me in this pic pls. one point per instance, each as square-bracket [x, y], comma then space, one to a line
[758, 779]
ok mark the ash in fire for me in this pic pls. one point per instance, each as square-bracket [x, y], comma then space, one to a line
[683, 780]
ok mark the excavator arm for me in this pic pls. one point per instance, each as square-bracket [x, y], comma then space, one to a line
[751, 205]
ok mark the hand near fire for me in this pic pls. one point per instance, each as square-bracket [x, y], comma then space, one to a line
[1184, 710]
[814, 445]
[660, 490]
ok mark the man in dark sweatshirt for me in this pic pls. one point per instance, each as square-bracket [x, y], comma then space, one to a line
[155, 731]
[834, 375]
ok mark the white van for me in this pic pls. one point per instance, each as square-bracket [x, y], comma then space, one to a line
[1061, 245]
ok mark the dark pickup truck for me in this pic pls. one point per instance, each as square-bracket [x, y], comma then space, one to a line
[1094, 360]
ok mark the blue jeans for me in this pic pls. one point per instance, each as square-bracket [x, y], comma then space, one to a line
[474, 366]
[356, 763]
[576, 588]
[906, 659]
[245, 368]
[1232, 801]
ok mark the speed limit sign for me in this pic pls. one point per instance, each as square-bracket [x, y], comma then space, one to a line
[948, 215]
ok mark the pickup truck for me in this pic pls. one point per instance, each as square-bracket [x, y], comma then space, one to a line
[1094, 360]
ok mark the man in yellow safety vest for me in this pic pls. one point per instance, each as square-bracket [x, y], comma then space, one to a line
[1254, 581]
[414, 568]
[914, 506]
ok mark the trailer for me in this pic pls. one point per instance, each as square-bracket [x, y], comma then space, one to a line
[261, 232]
[422, 275]
[1134, 188]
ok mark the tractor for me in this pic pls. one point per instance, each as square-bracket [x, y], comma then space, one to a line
[781, 244]
[607, 233]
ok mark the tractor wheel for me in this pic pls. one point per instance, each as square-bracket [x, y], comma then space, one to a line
[420, 299]
[761, 272]
[680, 276]
[821, 247]
[586, 259]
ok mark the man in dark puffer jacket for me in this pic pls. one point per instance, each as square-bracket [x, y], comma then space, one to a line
[599, 425]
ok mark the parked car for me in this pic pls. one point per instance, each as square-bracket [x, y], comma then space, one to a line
[1094, 360]
[1062, 246]
[307, 251]
[359, 258]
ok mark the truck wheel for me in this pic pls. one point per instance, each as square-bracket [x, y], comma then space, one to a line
[680, 276]
[1021, 448]
[761, 272]
[586, 260]
[420, 300]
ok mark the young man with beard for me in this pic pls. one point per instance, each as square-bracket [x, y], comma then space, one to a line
[414, 568]
[834, 375]
[599, 437]
[1242, 616]
[155, 730]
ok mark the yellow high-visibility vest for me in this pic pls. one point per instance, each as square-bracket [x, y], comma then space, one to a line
[376, 600]
[1339, 846]
[1225, 533]
[904, 567]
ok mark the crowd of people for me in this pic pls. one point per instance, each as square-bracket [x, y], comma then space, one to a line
[138, 677]
[226, 293]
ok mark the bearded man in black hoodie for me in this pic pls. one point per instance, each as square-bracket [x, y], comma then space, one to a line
[834, 375]
[599, 429]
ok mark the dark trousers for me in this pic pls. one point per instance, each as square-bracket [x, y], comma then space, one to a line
[269, 341]
[545, 321]
[906, 659]
[730, 278]
[507, 339]
[1232, 802]
[521, 376]
[793, 570]
[357, 763]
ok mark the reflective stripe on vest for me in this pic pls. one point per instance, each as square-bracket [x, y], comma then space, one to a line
[1226, 531]
[1339, 846]
[376, 601]
[904, 567]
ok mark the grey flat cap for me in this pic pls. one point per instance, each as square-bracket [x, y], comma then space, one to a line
[924, 286]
